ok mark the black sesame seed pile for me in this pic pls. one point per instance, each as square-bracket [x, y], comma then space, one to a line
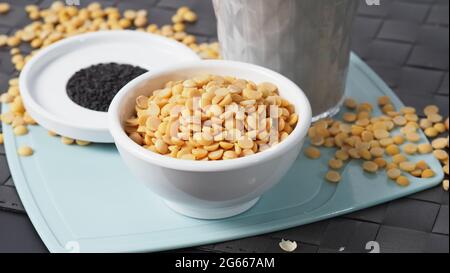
[94, 87]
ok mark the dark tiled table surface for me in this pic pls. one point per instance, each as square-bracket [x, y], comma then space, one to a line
[405, 41]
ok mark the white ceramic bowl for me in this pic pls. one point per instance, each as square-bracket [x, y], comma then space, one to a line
[208, 189]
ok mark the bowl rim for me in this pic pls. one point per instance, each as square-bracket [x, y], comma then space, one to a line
[121, 138]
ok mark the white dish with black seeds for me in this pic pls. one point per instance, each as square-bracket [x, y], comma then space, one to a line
[43, 80]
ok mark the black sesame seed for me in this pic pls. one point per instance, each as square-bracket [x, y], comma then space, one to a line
[94, 87]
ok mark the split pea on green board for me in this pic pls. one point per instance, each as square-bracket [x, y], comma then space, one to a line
[362, 136]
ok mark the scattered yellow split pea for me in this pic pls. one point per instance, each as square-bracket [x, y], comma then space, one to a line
[422, 165]
[20, 130]
[430, 109]
[391, 165]
[428, 173]
[407, 166]
[288, 246]
[392, 150]
[82, 142]
[425, 148]
[25, 151]
[416, 173]
[425, 124]
[445, 185]
[384, 100]
[381, 162]
[398, 139]
[370, 166]
[441, 155]
[335, 164]
[397, 159]
[342, 155]
[4, 8]
[440, 127]
[440, 143]
[67, 140]
[431, 132]
[435, 118]
[350, 103]
[377, 151]
[410, 148]
[349, 117]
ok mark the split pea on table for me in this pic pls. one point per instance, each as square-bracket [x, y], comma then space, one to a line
[363, 136]
[351, 138]
[95, 86]
[59, 21]
[232, 118]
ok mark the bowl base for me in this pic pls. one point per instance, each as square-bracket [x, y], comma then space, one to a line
[211, 213]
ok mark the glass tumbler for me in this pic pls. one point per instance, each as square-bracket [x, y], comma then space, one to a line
[307, 41]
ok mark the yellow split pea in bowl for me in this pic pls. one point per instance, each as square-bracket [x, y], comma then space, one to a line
[208, 189]
[211, 117]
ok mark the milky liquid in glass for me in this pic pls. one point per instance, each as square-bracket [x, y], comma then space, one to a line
[307, 41]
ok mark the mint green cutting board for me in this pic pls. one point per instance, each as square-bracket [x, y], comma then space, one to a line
[84, 199]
